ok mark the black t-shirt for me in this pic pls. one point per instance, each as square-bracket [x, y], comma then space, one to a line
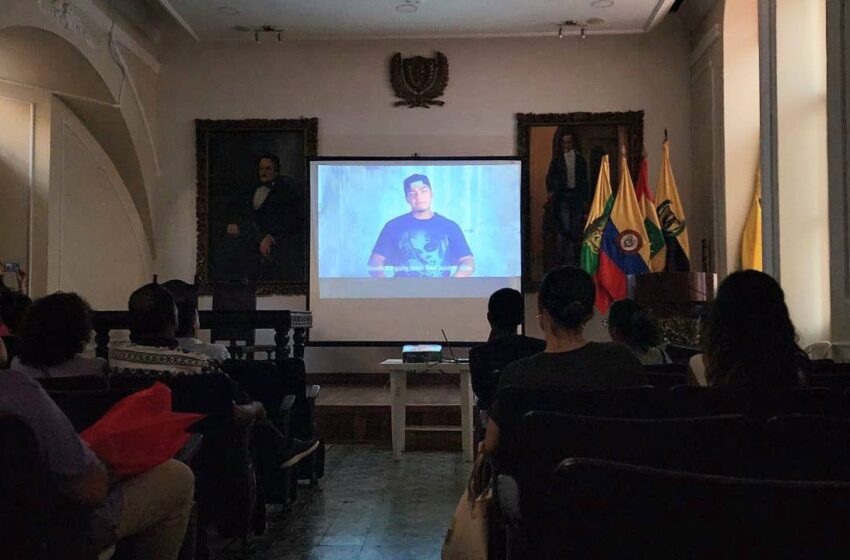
[421, 248]
[593, 367]
[486, 360]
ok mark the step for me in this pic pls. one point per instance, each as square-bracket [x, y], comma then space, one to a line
[433, 428]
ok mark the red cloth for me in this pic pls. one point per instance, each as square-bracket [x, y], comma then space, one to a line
[4, 330]
[140, 431]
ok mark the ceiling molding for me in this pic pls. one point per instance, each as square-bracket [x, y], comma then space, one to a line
[711, 36]
[104, 21]
[658, 14]
[412, 37]
[176, 15]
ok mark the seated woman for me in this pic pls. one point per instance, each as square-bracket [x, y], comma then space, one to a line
[52, 333]
[630, 324]
[749, 339]
[153, 508]
[564, 306]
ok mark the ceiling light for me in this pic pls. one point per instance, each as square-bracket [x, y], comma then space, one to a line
[602, 3]
[584, 32]
[227, 10]
[409, 7]
[560, 32]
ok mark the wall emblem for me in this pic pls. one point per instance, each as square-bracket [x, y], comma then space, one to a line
[419, 81]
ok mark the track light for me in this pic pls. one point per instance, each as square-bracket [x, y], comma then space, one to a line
[560, 32]
[584, 32]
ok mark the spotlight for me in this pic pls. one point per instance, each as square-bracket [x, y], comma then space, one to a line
[560, 32]
[584, 33]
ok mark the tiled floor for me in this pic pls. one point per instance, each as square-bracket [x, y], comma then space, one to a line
[367, 507]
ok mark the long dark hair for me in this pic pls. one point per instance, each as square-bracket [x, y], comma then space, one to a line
[634, 323]
[749, 339]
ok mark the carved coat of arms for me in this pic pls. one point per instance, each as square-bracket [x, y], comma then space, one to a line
[419, 80]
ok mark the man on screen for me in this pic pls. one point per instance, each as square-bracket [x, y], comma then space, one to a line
[422, 243]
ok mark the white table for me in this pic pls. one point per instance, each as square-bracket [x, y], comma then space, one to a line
[398, 387]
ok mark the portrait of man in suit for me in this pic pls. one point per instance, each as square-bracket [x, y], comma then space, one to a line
[565, 209]
[254, 175]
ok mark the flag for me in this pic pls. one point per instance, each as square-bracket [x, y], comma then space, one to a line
[751, 246]
[625, 244]
[600, 209]
[657, 248]
[672, 217]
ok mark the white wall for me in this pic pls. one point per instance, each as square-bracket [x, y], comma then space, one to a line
[707, 191]
[345, 85]
[802, 174]
[24, 193]
[15, 174]
[97, 243]
[741, 119]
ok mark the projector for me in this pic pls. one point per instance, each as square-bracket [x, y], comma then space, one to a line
[421, 353]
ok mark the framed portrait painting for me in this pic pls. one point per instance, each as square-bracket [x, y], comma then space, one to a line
[562, 155]
[253, 203]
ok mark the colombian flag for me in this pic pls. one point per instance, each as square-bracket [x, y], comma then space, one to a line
[657, 249]
[672, 217]
[751, 245]
[625, 244]
[600, 209]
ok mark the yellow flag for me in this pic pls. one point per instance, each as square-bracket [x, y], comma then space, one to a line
[672, 216]
[751, 244]
[657, 248]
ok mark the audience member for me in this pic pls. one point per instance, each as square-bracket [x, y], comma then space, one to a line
[12, 310]
[749, 340]
[564, 306]
[631, 325]
[505, 312]
[54, 331]
[153, 508]
[188, 323]
[154, 350]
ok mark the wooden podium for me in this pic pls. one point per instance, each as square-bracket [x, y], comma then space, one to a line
[676, 299]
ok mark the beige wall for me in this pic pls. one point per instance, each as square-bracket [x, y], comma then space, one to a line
[24, 220]
[345, 85]
[802, 174]
[741, 119]
[98, 245]
[15, 174]
[48, 55]
[706, 157]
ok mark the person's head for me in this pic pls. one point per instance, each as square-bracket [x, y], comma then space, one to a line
[565, 300]
[749, 338]
[152, 312]
[568, 142]
[268, 168]
[631, 324]
[186, 299]
[417, 191]
[54, 329]
[505, 309]
[12, 309]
